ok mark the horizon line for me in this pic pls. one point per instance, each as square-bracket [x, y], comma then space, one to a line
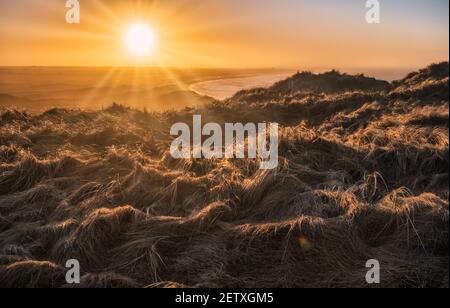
[337, 67]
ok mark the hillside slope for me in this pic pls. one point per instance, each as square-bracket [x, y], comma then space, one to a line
[363, 174]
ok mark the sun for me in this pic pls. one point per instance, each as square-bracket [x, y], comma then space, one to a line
[140, 40]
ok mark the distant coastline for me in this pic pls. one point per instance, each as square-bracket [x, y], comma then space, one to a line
[221, 89]
[39, 88]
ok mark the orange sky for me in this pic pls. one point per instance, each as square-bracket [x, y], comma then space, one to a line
[232, 33]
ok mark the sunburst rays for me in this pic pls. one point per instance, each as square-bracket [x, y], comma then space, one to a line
[138, 72]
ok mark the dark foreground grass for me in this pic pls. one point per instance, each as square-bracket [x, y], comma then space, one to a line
[363, 175]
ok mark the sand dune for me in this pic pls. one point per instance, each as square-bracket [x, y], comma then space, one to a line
[363, 175]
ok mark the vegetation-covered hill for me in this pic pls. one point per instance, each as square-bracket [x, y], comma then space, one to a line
[363, 174]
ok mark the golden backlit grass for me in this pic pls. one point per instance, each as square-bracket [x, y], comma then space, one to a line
[363, 175]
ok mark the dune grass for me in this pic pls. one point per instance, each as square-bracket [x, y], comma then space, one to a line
[363, 174]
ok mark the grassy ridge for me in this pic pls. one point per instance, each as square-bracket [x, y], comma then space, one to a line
[363, 175]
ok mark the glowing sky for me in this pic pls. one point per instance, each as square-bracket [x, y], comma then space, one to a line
[227, 33]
